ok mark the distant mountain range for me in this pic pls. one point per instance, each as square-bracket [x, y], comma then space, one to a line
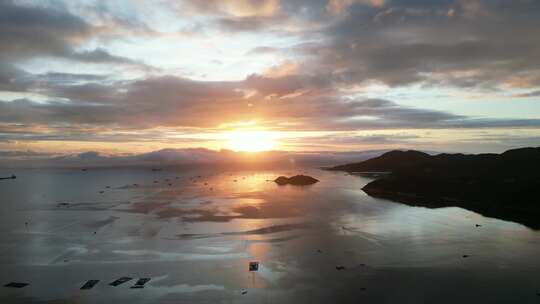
[503, 185]
[184, 157]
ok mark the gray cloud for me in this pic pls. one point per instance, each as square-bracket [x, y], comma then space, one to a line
[264, 50]
[27, 154]
[29, 32]
[100, 56]
[12, 78]
[244, 24]
[530, 94]
[35, 32]
[408, 41]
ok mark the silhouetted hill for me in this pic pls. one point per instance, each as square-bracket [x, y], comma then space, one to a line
[389, 161]
[503, 185]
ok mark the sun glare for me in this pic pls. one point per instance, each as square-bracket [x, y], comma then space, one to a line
[251, 141]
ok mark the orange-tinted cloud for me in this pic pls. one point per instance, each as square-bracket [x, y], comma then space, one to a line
[340, 6]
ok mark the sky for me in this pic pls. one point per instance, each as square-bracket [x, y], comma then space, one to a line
[132, 76]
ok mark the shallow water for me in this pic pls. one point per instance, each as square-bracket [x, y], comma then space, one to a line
[195, 238]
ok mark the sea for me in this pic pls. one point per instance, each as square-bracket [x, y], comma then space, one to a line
[194, 232]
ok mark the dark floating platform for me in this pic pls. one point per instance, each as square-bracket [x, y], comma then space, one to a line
[297, 180]
[253, 266]
[120, 281]
[89, 284]
[140, 283]
[16, 285]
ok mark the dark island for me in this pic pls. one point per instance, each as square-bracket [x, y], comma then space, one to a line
[297, 180]
[505, 186]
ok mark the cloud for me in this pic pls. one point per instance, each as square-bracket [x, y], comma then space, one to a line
[285, 17]
[530, 94]
[244, 24]
[395, 139]
[340, 6]
[237, 8]
[100, 56]
[30, 31]
[11, 78]
[260, 50]
[24, 155]
[405, 42]
[37, 31]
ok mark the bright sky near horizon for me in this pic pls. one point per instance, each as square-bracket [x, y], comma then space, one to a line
[251, 75]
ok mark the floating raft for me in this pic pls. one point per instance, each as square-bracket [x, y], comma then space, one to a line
[140, 283]
[121, 280]
[16, 285]
[89, 284]
[253, 266]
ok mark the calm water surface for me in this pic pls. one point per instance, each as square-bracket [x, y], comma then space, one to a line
[195, 237]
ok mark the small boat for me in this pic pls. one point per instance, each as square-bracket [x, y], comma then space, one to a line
[13, 176]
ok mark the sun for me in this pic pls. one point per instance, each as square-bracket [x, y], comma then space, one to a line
[251, 141]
